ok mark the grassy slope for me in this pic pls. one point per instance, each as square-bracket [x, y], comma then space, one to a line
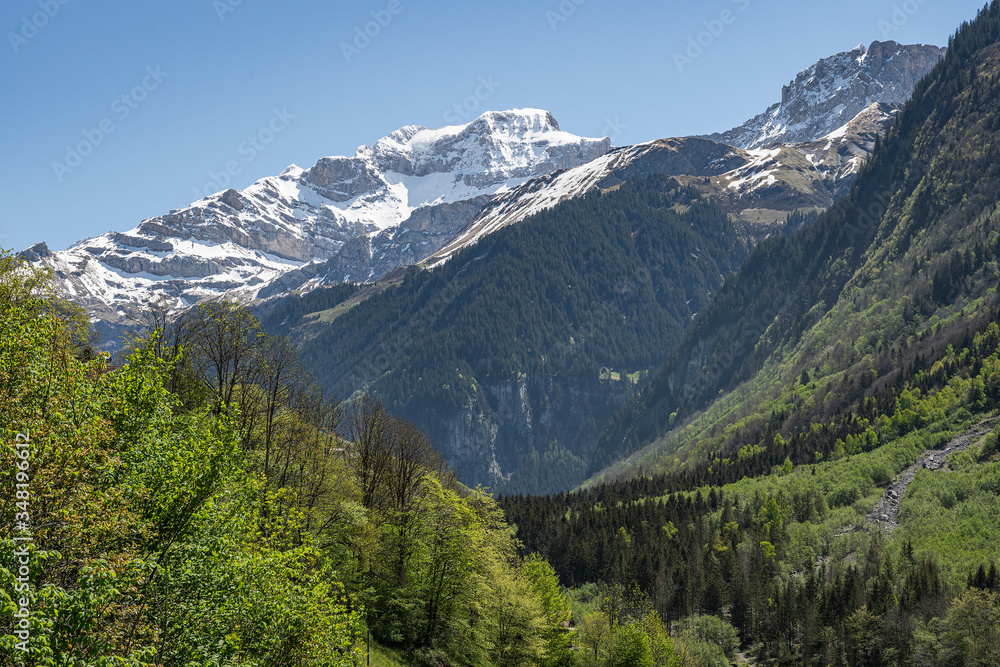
[952, 515]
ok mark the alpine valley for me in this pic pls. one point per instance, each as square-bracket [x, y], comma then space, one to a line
[514, 379]
[498, 394]
[515, 341]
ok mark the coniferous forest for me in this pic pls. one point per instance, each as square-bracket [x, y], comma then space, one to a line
[582, 300]
[835, 359]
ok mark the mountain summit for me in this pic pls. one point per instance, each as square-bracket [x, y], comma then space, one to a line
[344, 218]
[832, 91]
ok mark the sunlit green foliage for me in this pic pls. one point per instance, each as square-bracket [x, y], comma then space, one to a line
[234, 524]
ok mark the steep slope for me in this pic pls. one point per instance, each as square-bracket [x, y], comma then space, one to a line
[356, 218]
[829, 93]
[498, 430]
[673, 157]
[838, 156]
[838, 358]
[834, 321]
[511, 354]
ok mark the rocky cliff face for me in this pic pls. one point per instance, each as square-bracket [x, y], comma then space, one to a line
[506, 425]
[345, 218]
[834, 90]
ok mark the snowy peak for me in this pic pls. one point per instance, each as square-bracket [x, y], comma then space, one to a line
[832, 91]
[490, 150]
[521, 130]
[417, 166]
[345, 218]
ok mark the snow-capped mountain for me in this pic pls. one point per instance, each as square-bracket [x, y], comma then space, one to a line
[419, 194]
[345, 218]
[828, 94]
[802, 153]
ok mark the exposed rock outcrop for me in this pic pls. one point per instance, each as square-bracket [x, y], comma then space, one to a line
[834, 90]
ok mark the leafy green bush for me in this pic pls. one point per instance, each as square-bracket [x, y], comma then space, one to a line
[630, 647]
[843, 495]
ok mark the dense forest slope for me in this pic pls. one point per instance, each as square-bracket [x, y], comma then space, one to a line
[801, 399]
[512, 354]
[204, 503]
[865, 296]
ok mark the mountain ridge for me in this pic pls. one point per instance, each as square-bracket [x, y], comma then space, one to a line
[910, 241]
[834, 90]
[398, 198]
[488, 424]
[780, 180]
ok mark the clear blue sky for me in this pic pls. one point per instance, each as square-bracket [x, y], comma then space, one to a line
[162, 95]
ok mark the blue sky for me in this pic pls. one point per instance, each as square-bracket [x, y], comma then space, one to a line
[116, 111]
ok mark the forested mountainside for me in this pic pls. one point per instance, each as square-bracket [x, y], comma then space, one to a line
[504, 424]
[512, 354]
[797, 441]
[824, 471]
[759, 188]
[203, 502]
[879, 280]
